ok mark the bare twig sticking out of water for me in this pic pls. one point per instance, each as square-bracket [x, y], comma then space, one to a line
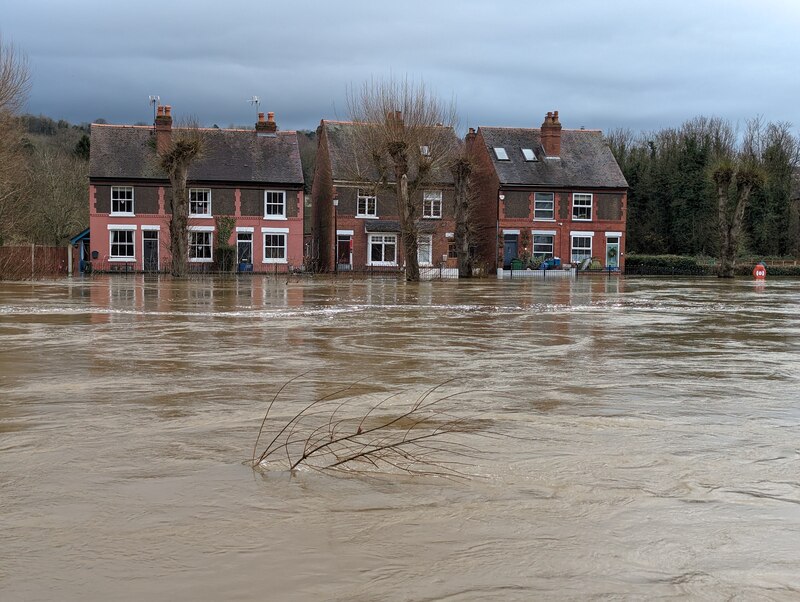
[416, 437]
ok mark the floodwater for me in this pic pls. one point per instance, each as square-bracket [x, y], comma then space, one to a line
[636, 439]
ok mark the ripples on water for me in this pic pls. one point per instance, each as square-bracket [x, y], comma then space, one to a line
[650, 444]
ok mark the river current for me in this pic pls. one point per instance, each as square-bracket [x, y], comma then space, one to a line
[637, 438]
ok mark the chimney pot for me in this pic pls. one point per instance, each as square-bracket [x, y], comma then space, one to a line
[270, 116]
[261, 117]
[168, 111]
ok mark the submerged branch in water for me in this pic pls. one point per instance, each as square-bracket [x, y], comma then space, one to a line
[415, 434]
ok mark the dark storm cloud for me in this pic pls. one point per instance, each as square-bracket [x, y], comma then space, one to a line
[631, 64]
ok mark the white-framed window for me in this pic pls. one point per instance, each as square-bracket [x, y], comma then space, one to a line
[122, 200]
[382, 249]
[425, 249]
[432, 204]
[529, 154]
[199, 202]
[121, 244]
[275, 245]
[543, 244]
[200, 246]
[581, 247]
[544, 206]
[367, 205]
[582, 206]
[501, 153]
[274, 204]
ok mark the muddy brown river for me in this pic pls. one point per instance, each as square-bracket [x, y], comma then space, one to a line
[638, 439]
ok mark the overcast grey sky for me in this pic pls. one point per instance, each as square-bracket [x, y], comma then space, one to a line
[602, 64]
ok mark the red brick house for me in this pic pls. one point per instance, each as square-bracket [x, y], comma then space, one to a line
[548, 192]
[356, 223]
[253, 176]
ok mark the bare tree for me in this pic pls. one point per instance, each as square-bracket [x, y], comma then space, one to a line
[57, 193]
[185, 146]
[462, 167]
[734, 181]
[403, 136]
[14, 87]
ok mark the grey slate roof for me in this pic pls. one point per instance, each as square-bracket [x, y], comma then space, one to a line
[586, 160]
[345, 156]
[128, 152]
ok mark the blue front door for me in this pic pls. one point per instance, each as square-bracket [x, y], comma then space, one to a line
[509, 249]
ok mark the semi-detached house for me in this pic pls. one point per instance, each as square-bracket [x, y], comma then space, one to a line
[254, 176]
[549, 192]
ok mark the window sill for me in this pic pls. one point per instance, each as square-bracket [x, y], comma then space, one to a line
[118, 214]
[277, 218]
[274, 261]
[431, 217]
[578, 219]
[196, 260]
[544, 219]
[201, 215]
[121, 259]
[366, 216]
[383, 264]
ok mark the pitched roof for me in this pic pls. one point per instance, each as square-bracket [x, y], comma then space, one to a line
[586, 160]
[350, 163]
[128, 152]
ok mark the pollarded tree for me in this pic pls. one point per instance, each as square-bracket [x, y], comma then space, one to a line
[735, 181]
[184, 147]
[406, 136]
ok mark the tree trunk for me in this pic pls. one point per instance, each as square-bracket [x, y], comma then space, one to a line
[179, 224]
[408, 229]
[461, 172]
[730, 227]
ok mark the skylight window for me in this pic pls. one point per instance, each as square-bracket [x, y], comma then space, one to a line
[425, 151]
[501, 153]
[528, 154]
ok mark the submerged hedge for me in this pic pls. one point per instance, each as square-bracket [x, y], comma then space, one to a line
[683, 265]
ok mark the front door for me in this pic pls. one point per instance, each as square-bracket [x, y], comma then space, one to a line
[244, 251]
[150, 250]
[344, 252]
[612, 252]
[510, 242]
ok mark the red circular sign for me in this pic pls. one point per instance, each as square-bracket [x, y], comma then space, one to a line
[759, 272]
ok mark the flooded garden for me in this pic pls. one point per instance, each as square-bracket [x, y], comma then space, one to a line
[625, 438]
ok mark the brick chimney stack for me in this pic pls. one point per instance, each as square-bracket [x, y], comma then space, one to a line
[551, 134]
[267, 126]
[163, 128]
[469, 139]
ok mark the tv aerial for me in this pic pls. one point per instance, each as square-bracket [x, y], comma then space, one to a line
[255, 102]
[154, 100]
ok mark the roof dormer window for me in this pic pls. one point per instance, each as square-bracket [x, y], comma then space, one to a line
[529, 154]
[501, 153]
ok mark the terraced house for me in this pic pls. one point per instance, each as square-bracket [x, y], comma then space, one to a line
[356, 222]
[549, 192]
[253, 176]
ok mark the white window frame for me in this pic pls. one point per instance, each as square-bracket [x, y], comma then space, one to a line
[584, 197]
[367, 198]
[432, 204]
[112, 230]
[206, 202]
[535, 233]
[572, 237]
[273, 203]
[117, 189]
[274, 232]
[501, 154]
[428, 241]
[552, 202]
[193, 230]
[381, 238]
